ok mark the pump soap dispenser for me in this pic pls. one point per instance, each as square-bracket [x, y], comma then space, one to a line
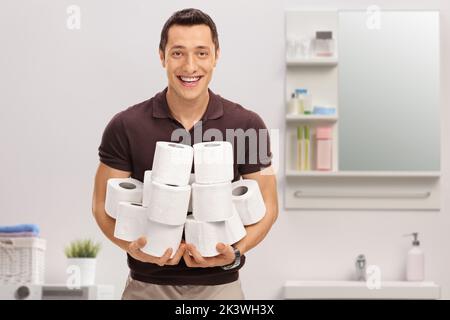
[415, 262]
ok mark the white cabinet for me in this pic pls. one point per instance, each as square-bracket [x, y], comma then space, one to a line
[335, 189]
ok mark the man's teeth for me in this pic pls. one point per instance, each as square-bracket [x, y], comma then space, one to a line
[190, 79]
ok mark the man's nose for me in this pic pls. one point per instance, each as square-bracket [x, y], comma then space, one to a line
[190, 65]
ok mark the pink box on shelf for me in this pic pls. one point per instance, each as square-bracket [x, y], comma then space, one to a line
[324, 148]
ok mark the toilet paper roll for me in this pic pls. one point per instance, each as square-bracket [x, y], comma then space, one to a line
[172, 163]
[131, 222]
[122, 189]
[248, 200]
[160, 237]
[168, 204]
[234, 227]
[191, 181]
[212, 202]
[205, 235]
[147, 188]
[213, 162]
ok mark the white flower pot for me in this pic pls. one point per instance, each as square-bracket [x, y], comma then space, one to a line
[82, 270]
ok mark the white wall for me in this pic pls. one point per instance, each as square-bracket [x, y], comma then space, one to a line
[61, 87]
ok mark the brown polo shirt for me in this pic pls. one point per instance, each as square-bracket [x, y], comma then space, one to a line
[128, 144]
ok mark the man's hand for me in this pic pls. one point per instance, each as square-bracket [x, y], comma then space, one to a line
[134, 250]
[225, 256]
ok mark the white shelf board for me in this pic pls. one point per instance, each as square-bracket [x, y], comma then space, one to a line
[310, 117]
[406, 174]
[360, 290]
[315, 61]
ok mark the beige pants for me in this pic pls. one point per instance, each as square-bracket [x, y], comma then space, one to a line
[138, 290]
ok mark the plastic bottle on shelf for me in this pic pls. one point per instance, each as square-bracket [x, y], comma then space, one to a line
[300, 164]
[324, 44]
[304, 100]
[293, 105]
[324, 148]
[307, 148]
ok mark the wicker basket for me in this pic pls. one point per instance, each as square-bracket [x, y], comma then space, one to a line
[22, 260]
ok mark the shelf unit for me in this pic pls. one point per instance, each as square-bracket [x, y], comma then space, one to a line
[310, 118]
[338, 190]
[317, 74]
[313, 62]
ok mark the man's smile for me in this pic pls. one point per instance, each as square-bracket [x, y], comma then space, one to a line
[189, 81]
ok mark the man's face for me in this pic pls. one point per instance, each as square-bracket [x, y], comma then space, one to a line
[189, 60]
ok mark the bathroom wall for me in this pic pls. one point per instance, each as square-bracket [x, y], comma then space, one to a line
[61, 87]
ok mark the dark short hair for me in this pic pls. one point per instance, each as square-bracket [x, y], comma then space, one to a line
[188, 17]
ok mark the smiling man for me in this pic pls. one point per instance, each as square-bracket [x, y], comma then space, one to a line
[189, 50]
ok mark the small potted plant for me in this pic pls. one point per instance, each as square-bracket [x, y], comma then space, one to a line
[82, 256]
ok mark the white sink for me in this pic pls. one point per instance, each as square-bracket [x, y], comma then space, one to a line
[360, 290]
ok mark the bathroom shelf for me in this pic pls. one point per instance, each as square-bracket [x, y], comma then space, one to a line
[313, 117]
[319, 61]
[363, 174]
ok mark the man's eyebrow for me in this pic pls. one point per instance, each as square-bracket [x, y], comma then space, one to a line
[183, 47]
[202, 47]
[178, 47]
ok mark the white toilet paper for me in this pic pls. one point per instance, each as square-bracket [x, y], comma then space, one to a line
[168, 204]
[172, 163]
[191, 181]
[234, 227]
[147, 188]
[160, 237]
[131, 222]
[205, 235]
[121, 189]
[212, 202]
[213, 162]
[248, 200]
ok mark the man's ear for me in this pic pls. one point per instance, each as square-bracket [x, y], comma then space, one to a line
[161, 57]
[216, 57]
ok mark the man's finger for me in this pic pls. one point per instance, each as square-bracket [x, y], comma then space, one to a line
[163, 260]
[176, 258]
[188, 259]
[223, 248]
[197, 256]
[138, 244]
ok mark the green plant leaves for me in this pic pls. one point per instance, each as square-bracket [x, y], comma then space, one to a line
[82, 249]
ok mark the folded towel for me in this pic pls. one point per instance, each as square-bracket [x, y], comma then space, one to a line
[18, 234]
[20, 228]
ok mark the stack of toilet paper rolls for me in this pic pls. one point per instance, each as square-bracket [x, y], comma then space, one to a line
[157, 207]
[216, 208]
[160, 211]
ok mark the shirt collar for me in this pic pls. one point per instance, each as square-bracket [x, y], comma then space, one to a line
[214, 110]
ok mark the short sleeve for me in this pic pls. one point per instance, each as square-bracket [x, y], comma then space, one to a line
[257, 150]
[114, 149]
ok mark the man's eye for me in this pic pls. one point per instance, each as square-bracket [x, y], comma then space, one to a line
[176, 54]
[203, 54]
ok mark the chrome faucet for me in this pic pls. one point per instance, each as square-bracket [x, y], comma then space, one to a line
[360, 266]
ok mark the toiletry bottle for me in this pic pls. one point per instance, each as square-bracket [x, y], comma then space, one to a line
[307, 148]
[300, 95]
[293, 105]
[299, 159]
[324, 44]
[305, 101]
[415, 263]
[324, 148]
